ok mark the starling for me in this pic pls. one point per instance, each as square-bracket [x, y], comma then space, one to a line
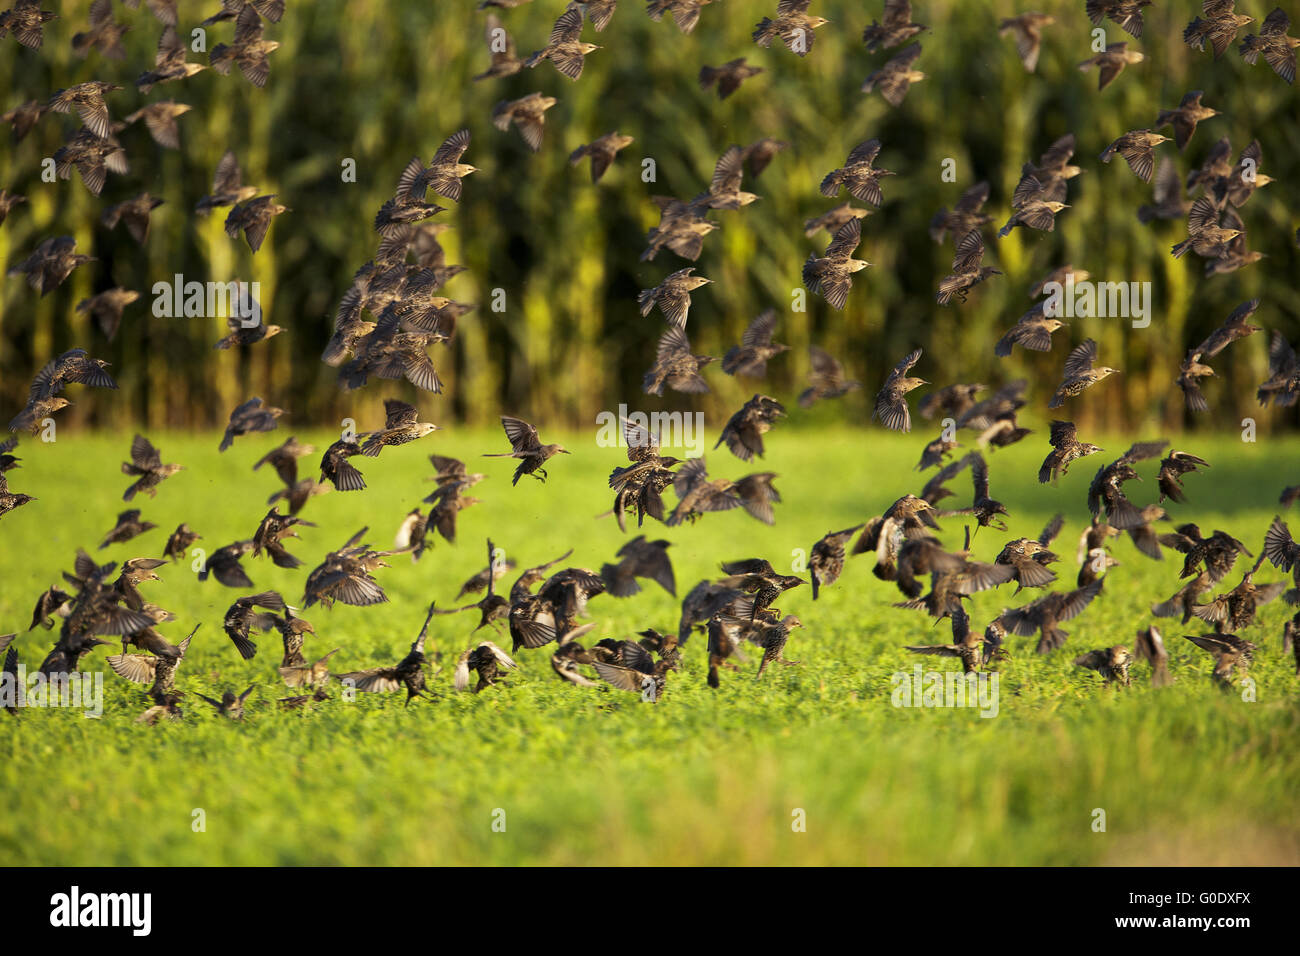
[92, 157]
[227, 186]
[760, 153]
[1172, 469]
[1236, 609]
[1137, 149]
[1032, 331]
[1205, 236]
[686, 13]
[675, 366]
[9, 500]
[106, 308]
[1045, 614]
[23, 118]
[1150, 647]
[230, 705]
[178, 543]
[891, 400]
[1184, 119]
[1283, 553]
[1029, 557]
[1289, 496]
[169, 64]
[1231, 653]
[272, 10]
[51, 263]
[104, 33]
[697, 494]
[528, 113]
[1106, 489]
[681, 228]
[826, 559]
[602, 152]
[793, 25]
[724, 188]
[528, 448]
[641, 559]
[897, 27]
[165, 10]
[1273, 43]
[966, 270]
[1111, 663]
[1066, 448]
[826, 378]
[335, 468]
[639, 672]
[345, 575]
[639, 486]
[834, 220]
[772, 638]
[505, 61]
[1037, 214]
[984, 508]
[241, 618]
[565, 48]
[743, 433]
[314, 675]
[146, 466]
[128, 526]
[1283, 384]
[401, 426]
[252, 416]
[241, 332]
[88, 100]
[272, 530]
[1219, 26]
[1027, 29]
[249, 51]
[284, 459]
[1235, 253]
[8, 461]
[1218, 553]
[896, 77]
[1110, 63]
[832, 274]
[26, 21]
[1240, 183]
[599, 12]
[158, 670]
[757, 495]
[858, 175]
[7, 202]
[728, 77]
[487, 660]
[756, 347]
[756, 576]
[1169, 202]
[253, 216]
[443, 174]
[966, 644]
[1079, 373]
[965, 216]
[293, 632]
[1126, 13]
[673, 296]
[223, 564]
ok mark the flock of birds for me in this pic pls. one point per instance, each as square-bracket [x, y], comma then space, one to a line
[391, 314]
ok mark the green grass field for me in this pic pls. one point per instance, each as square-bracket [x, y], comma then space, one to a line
[1185, 774]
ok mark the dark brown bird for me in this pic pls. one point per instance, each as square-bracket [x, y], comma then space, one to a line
[697, 494]
[178, 543]
[50, 264]
[675, 366]
[314, 675]
[337, 470]
[965, 216]
[146, 466]
[230, 705]
[169, 63]
[686, 13]
[967, 271]
[1066, 448]
[1218, 24]
[252, 416]
[826, 559]
[772, 638]
[1205, 236]
[128, 526]
[223, 564]
[26, 21]
[1045, 614]
[1029, 557]
[103, 33]
[966, 644]
[1106, 489]
[640, 559]
[826, 378]
[1231, 654]
[487, 660]
[1218, 553]
[528, 113]
[249, 51]
[253, 217]
[858, 175]
[1283, 384]
[227, 186]
[756, 576]
[401, 427]
[271, 532]
[88, 100]
[1150, 647]
[728, 77]
[760, 153]
[1172, 469]
[834, 220]
[528, 448]
[106, 308]
[565, 49]
[1112, 663]
[1110, 63]
[602, 152]
[1137, 147]
[893, 28]
[241, 618]
[1274, 44]
[1167, 193]
[743, 433]
[891, 400]
[831, 275]
[1184, 118]
[793, 25]
[896, 77]
[505, 61]
[246, 328]
[756, 347]
[10, 500]
[160, 120]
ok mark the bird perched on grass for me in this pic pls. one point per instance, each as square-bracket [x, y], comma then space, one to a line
[673, 296]
[1080, 373]
[1027, 29]
[252, 416]
[602, 152]
[896, 77]
[528, 113]
[727, 77]
[858, 175]
[831, 275]
[1274, 44]
[826, 378]
[528, 448]
[743, 433]
[894, 27]
[756, 347]
[1185, 117]
[891, 400]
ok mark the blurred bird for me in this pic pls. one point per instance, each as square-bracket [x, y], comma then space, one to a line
[893, 28]
[252, 416]
[896, 77]
[1027, 29]
[602, 152]
[528, 113]
[756, 347]
[728, 77]
[743, 433]
[826, 378]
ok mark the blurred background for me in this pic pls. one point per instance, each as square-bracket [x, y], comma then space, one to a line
[380, 82]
